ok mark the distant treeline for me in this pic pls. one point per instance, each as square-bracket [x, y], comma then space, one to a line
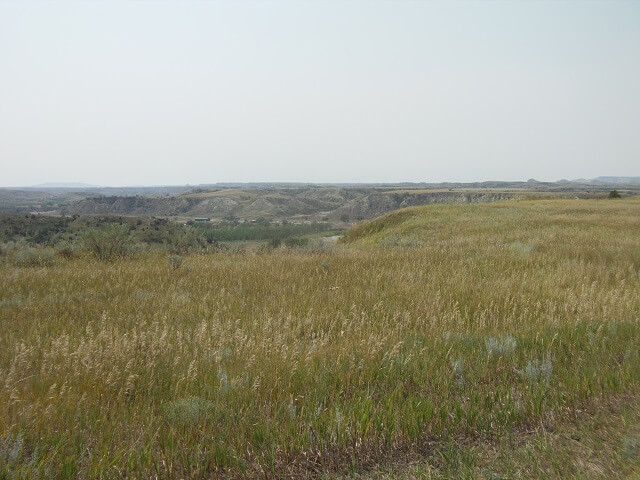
[228, 232]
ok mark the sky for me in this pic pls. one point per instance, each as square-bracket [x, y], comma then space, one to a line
[171, 93]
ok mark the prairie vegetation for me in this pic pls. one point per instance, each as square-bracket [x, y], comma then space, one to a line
[437, 333]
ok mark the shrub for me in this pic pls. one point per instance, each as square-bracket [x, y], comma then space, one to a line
[295, 242]
[319, 246]
[67, 249]
[188, 411]
[631, 444]
[458, 371]
[521, 247]
[275, 242]
[614, 194]
[500, 345]
[34, 257]
[237, 250]
[175, 261]
[185, 242]
[539, 371]
[109, 243]
[11, 449]
[6, 248]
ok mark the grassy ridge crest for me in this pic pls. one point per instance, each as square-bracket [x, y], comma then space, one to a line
[382, 224]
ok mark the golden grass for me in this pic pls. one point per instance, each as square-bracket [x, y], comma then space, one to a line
[434, 325]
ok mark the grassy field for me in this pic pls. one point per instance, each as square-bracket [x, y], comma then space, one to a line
[473, 341]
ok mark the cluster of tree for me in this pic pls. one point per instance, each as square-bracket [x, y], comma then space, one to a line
[230, 232]
[109, 237]
[35, 229]
[49, 231]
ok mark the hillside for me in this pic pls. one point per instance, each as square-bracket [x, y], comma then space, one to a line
[25, 201]
[334, 203]
[314, 202]
[502, 223]
[482, 341]
[331, 203]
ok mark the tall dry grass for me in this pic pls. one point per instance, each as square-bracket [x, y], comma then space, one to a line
[437, 323]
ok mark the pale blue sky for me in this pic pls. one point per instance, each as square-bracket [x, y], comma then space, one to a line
[120, 93]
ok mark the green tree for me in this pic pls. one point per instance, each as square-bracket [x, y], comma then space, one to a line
[181, 242]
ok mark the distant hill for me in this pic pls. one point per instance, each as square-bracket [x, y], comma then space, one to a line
[285, 201]
[624, 180]
[306, 203]
[607, 180]
[25, 201]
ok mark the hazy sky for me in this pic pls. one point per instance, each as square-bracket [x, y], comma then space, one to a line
[121, 93]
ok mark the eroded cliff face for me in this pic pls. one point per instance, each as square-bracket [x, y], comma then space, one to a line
[371, 206]
[351, 206]
[162, 206]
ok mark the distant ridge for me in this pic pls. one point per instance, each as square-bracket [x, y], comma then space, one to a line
[63, 185]
[607, 180]
[627, 180]
[486, 184]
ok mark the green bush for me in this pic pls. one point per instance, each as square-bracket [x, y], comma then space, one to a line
[295, 242]
[182, 242]
[109, 243]
[175, 261]
[67, 249]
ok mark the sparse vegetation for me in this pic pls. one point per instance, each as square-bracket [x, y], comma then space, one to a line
[493, 323]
